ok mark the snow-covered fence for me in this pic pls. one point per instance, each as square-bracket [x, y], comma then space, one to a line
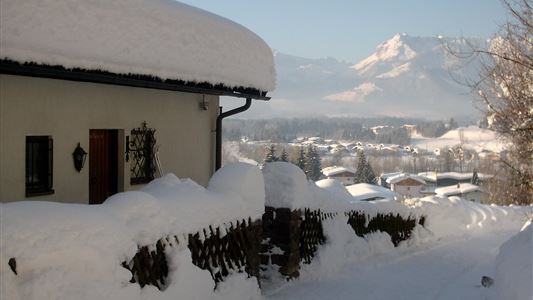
[221, 254]
[296, 208]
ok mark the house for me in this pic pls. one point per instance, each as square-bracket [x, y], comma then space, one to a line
[406, 185]
[384, 176]
[369, 192]
[440, 179]
[101, 97]
[466, 191]
[345, 175]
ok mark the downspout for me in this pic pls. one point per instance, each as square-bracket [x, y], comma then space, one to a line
[218, 145]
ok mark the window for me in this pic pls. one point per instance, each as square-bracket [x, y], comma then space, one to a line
[39, 163]
[142, 149]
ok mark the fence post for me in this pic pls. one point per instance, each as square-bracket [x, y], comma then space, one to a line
[281, 227]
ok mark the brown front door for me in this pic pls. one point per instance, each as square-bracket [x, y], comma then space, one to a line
[103, 164]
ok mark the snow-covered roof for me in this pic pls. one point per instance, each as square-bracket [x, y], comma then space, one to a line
[332, 171]
[388, 175]
[362, 191]
[452, 175]
[403, 176]
[160, 38]
[457, 189]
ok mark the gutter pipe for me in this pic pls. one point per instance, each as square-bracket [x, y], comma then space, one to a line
[218, 144]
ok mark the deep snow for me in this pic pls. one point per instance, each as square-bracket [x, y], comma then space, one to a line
[162, 38]
[450, 269]
[73, 251]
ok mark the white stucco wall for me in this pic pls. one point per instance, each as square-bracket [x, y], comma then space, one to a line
[67, 110]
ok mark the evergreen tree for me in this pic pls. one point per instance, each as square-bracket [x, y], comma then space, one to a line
[364, 172]
[271, 155]
[312, 167]
[475, 178]
[301, 162]
[284, 156]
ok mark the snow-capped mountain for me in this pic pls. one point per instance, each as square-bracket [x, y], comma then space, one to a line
[405, 76]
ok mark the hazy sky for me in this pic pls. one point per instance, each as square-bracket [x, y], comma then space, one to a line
[351, 29]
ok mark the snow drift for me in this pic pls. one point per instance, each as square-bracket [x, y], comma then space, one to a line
[72, 251]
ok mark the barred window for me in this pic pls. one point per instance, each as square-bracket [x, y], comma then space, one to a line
[39, 161]
[141, 148]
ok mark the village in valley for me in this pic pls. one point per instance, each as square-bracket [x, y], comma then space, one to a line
[454, 164]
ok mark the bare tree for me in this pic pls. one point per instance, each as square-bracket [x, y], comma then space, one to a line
[506, 89]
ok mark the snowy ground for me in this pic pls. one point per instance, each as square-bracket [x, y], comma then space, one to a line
[475, 138]
[448, 269]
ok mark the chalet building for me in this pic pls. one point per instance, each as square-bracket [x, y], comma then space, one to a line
[345, 175]
[100, 98]
[438, 179]
[384, 176]
[466, 191]
[370, 192]
[406, 185]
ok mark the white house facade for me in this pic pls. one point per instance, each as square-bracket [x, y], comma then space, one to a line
[406, 185]
[89, 109]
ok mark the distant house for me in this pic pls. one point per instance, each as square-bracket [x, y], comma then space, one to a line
[369, 192]
[466, 191]
[384, 176]
[439, 179]
[406, 185]
[345, 175]
[136, 85]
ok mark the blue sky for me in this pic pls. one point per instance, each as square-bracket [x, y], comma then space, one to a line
[351, 29]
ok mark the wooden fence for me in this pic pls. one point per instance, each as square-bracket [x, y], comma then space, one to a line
[285, 238]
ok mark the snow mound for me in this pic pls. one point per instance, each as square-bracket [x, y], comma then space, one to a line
[286, 186]
[161, 38]
[514, 267]
[74, 251]
[453, 216]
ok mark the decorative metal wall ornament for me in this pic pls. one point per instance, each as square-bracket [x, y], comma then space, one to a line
[79, 155]
[140, 148]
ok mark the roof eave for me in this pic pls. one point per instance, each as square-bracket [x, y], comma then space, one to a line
[96, 76]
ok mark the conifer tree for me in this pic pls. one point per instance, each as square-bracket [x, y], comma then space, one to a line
[313, 169]
[271, 154]
[301, 161]
[475, 178]
[284, 156]
[364, 172]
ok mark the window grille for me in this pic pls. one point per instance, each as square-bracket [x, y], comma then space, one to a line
[39, 163]
[141, 147]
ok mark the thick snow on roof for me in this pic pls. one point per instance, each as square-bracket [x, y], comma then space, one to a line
[362, 191]
[331, 171]
[457, 189]
[452, 175]
[161, 38]
[403, 176]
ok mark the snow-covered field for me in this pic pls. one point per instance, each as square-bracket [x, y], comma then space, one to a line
[71, 251]
[474, 138]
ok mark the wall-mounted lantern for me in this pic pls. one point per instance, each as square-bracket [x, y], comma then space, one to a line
[204, 105]
[79, 156]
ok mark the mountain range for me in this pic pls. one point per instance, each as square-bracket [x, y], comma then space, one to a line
[406, 76]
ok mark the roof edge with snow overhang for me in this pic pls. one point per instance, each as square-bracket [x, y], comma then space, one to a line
[158, 44]
[402, 177]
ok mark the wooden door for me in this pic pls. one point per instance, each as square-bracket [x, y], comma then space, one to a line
[103, 164]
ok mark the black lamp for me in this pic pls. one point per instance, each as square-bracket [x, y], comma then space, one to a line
[79, 156]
